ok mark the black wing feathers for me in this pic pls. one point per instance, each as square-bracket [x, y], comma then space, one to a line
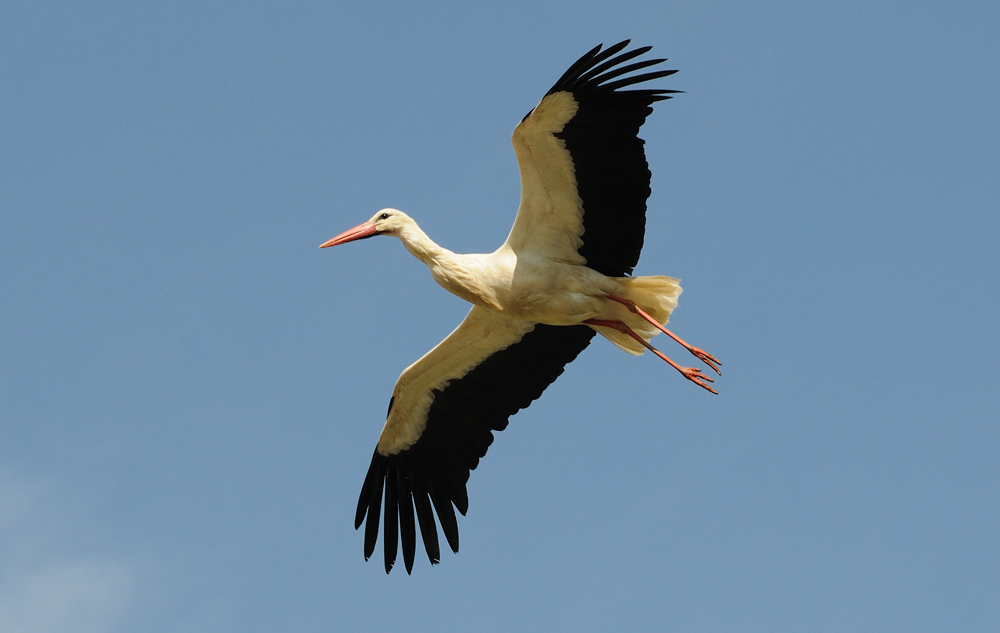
[391, 520]
[460, 425]
[408, 531]
[624, 57]
[602, 138]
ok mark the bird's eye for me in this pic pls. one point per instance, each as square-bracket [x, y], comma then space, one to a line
[384, 216]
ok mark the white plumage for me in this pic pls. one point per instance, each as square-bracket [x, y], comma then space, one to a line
[537, 301]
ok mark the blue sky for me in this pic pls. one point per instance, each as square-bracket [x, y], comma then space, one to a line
[190, 390]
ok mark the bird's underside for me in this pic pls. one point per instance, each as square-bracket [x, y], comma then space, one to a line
[561, 276]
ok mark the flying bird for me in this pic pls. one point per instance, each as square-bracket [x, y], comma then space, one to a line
[561, 277]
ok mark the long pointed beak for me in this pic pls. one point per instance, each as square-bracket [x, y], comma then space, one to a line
[360, 232]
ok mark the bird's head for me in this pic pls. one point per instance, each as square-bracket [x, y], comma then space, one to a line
[385, 222]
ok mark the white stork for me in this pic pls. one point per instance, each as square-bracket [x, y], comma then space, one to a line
[560, 277]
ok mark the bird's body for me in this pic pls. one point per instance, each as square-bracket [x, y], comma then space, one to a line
[515, 291]
[561, 276]
[531, 285]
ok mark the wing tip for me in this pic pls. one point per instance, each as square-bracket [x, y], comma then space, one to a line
[592, 71]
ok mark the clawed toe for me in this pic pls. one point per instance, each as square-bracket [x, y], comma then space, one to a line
[694, 375]
[706, 358]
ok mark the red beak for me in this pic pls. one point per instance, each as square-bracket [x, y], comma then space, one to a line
[359, 232]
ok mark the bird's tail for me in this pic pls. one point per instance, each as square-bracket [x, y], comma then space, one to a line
[657, 296]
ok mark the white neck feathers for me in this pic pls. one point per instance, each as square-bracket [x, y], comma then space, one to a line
[421, 246]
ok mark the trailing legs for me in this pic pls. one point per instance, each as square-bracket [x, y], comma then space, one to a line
[702, 355]
[691, 373]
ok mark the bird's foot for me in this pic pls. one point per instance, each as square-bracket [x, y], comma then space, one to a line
[694, 375]
[706, 358]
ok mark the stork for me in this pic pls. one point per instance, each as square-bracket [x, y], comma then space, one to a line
[560, 278]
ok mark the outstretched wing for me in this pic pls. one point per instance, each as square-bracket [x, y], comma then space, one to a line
[441, 419]
[584, 177]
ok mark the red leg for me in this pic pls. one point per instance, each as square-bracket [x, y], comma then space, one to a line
[691, 373]
[701, 354]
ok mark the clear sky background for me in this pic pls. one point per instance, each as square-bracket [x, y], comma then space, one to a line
[190, 390]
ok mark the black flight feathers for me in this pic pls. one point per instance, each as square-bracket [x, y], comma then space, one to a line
[584, 76]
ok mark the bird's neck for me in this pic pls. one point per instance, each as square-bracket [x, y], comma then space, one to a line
[421, 246]
[467, 276]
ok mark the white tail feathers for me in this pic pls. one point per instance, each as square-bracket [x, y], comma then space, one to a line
[657, 296]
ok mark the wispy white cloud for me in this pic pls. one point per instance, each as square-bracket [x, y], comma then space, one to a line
[87, 595]
[44, 588]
